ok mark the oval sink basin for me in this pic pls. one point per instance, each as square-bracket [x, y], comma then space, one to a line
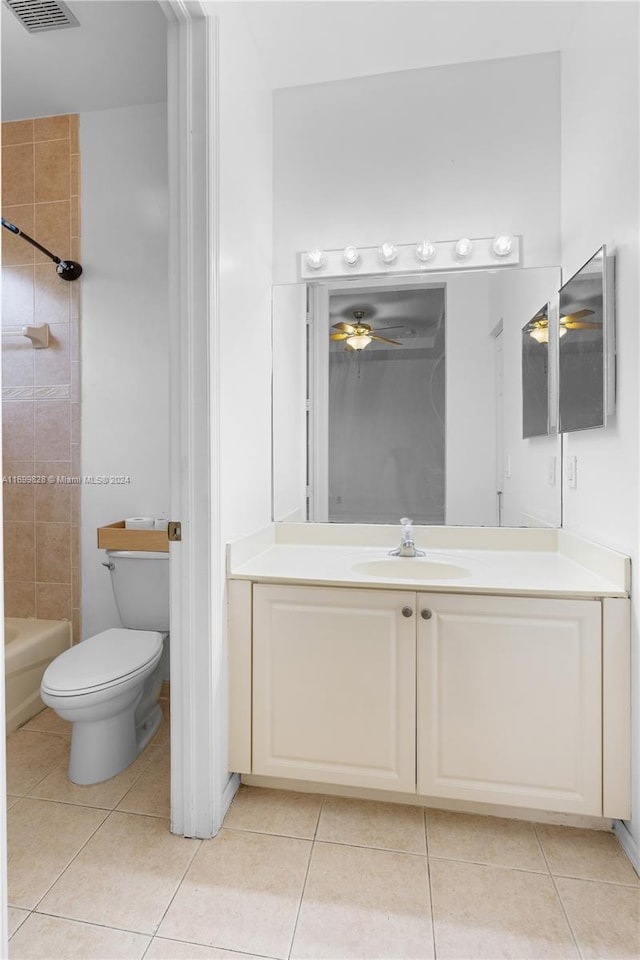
[410, 568]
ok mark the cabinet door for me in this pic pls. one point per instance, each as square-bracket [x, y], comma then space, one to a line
[334, 686]
[509, 701]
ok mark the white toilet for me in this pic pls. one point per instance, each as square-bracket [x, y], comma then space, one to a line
[108, 685]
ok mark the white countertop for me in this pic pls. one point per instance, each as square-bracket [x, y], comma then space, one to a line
[557, 565]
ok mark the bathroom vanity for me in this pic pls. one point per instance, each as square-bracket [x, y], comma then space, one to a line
[493, 671]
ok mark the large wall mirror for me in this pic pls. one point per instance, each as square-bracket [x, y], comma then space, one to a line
[402, 397]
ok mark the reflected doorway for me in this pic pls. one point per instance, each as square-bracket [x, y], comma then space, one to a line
[386, 405]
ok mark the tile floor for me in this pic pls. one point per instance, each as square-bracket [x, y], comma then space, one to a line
[95, 873]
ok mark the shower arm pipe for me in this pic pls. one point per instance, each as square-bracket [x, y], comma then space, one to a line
[67, 269]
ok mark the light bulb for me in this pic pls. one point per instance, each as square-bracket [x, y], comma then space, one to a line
[388, 253]
[425, 251]
[351, 255]
[463, 248]
[502, 246]
[316, 259]
[359, 341]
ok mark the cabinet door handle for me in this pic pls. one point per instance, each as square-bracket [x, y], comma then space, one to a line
[407, 612]
[426, 614]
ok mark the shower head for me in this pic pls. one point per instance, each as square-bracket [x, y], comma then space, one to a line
[68, 269]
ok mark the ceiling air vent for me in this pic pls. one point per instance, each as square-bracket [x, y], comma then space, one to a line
[37, 16]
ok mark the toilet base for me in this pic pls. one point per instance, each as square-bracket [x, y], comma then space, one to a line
[148, 729]
[102, 748]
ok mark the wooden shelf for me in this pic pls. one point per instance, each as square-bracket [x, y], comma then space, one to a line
[116, 537]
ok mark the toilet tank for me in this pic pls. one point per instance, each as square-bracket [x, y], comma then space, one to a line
[140, 582]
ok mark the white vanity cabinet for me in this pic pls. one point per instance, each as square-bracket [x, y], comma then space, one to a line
[510, 701]
[334, 685]
[497, 700]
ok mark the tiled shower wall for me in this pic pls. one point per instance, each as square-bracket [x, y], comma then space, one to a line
[41, 388]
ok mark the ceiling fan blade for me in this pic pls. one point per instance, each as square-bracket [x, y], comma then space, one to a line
[384, 340]
[345, 327]
[396, 326]
[339, 336]
[576, 325]
[578, 315]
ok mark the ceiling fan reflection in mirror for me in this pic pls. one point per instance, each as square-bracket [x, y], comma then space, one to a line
[539, 326]
[359, 335]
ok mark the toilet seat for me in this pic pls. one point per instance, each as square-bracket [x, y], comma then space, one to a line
[102, 661]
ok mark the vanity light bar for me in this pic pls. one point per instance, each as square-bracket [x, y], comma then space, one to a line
[422, 257]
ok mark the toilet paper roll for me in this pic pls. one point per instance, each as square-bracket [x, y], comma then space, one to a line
[138, 523]
[160, 523]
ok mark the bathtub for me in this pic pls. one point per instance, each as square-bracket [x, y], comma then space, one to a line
[29, 648]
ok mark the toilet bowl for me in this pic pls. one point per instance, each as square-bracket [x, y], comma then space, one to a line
[97, 686]
[107, 686]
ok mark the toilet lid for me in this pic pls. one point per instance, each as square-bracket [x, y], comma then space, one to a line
[102, 659]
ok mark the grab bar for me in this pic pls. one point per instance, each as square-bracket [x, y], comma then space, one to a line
[39, 335]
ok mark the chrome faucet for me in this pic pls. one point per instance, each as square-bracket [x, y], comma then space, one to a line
[407, 546]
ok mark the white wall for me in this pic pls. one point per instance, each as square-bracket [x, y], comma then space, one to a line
[465, 150]
[245, 277]
[245, 286]
[125, 350]
[289, 392]
[600, 197]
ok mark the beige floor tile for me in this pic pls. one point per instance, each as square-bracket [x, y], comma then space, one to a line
[16, 917]
[30, 757]
[11, 801]
[43, 839]
[151, 793]
[605, 918]
[489, 912]
[502, 842]
[361, 903]
[585, 854]
[178, 950]
[52, 938]
[241, 893]
[274, 811]
[107, 795]
[369, 823]
[126, 875]
[48, 721]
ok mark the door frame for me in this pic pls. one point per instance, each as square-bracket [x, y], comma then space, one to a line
[200, 789]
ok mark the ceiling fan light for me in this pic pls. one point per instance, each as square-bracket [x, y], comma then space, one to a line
[540, 334]
[316, 259]
[425, 251]
[351, 255]
[388, 252]
[463, 248]
[502, 245]
[359, 341]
